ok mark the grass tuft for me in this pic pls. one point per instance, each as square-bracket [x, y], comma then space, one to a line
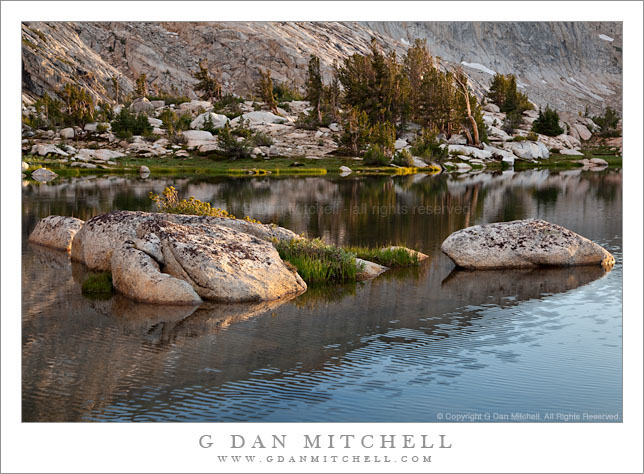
[387, 256]
[318, 262]
[98, 284]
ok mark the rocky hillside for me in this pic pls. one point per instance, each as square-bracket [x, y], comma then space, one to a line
[568, 65]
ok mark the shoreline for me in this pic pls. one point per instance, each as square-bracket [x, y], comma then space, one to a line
[283, 166]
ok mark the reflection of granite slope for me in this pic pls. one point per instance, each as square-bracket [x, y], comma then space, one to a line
[523, 284]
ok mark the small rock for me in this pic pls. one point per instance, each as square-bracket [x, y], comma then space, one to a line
[67, 133]
[493, 108]
[144, 170]
[598, 162]
[345, 171]
[369, 269]
[457, 140]
[43, 175]
[25, 166]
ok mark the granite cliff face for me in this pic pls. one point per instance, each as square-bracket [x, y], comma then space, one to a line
[568, 65]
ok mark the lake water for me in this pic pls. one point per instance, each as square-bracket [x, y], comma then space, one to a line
[414, 345]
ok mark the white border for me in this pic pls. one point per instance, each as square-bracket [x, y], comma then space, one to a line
[173, 447]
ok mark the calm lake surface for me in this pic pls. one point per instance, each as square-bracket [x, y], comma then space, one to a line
[413, 345]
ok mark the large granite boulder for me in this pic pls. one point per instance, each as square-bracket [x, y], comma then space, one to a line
[141, 105]
[217, 120]
[56, 232]
[221, 264]
[522, 244]
[529, 150]
[47, 149]
[582, 131]
[258, 117]
[101, 235]
[138, 276]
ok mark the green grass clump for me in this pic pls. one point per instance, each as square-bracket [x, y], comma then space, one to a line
[318, 262]
[98, 284]
[388, 256]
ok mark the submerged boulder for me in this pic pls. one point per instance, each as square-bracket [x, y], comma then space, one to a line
[56, 232]
[522, 244]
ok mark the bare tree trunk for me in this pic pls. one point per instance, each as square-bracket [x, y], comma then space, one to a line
[475, 128]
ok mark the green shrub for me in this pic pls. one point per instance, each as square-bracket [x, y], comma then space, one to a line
[533, 137]
[375, 156]
[183, 122]
[608, 123]
[127, 124]
[519, 138]
[547, 123]
[511, 122]
[403, 158]
[317, 262]
[231, 147]
[262, 139]
[97, 283]
[426, 146]
[102, 128]
[285, 93]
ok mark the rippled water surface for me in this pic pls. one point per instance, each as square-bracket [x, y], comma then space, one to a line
[412, 345]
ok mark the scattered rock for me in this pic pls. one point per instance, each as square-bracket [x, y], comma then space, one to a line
[194, 106]
[56, 232]
[598, 162]
[258, 117]
[218, 120]
[345, 170]
[457, 140]
[43, 175]
[43, 150]
[67, 133]
[141, 105]
[25, 166]
[492, 108]
[144, 170]
[529, 150]
[522, 244]
[200, 135]
[566, 151]
[582, 131]
[369, 270]
[334, 127]
[400, 144]
[470, 151]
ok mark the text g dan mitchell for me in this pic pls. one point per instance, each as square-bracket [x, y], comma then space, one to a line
[327, 441]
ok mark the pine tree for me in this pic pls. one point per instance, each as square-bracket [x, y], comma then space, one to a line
[314, 87]
[547, 123]
[264, 89]
[141, 88]
[208, 84]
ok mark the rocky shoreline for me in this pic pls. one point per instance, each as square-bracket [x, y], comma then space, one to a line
[95, 147]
